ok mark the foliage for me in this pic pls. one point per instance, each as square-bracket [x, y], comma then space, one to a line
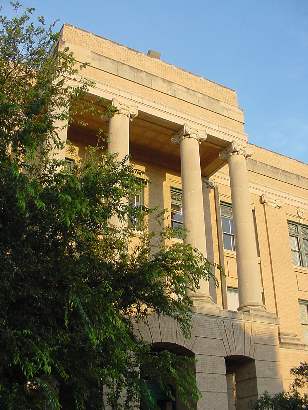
[69, 284]
[292, 400]
[300, 374]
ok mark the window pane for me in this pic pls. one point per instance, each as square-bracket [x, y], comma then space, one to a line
[232, 226]
[69, 164]
[228, 242]
[294, 243]
[137, 202]
[233, 243]
[296, 258]
[177, 217]
[176, 196]
[304, 231]
[226, 210]
[232, 299]
[293, 230]
[225, 225]
[305, 245]
[177, 225]
[176, 209]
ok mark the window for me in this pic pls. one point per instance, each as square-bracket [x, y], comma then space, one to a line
[298, 236]
[232, 299]
[227, 226]
[137, 203]
[176, 208]
[69, 164]
[303, 309]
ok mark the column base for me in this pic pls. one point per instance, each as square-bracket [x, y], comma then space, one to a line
[252, 308]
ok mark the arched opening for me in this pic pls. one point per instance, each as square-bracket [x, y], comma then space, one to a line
[241, 382]
[169, 399]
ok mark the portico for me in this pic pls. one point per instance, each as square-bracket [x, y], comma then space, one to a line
[190, 139]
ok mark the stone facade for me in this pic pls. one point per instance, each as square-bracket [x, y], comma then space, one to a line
[187, 132]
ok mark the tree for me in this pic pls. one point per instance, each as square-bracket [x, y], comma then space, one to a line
[70, 288]
[292, 400]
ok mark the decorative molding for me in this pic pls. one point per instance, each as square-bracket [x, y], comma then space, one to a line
[300, 213]
[124, 108]
[266, 199]
[188, 131]
[276, 173]
[236, 148]
[104, 90]
[273, 194]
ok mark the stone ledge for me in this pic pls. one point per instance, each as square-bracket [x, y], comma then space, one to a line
[291, 341]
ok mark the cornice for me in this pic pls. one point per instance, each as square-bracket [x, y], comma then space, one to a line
[104, 90]
[270, 195]
[156, 82]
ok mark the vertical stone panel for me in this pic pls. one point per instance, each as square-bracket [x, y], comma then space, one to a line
[283, 271]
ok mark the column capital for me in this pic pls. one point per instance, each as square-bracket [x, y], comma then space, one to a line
[188, 131]
[236, 148]
[124, 108]
[209, 184]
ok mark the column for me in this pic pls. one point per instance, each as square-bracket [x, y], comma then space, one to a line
[118, 141]
[249, 281]
[61, 128]
[193, 211]
[119, 128]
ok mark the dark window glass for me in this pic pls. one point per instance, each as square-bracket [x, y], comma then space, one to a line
[69, 164]
[176, 209]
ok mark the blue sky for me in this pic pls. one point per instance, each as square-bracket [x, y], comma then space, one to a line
[257, 47]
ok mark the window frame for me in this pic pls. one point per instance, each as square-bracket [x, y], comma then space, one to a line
[176, 225]
[227, 216]
[137, 224]
[300, 237]
[304, 322]
[303, 302]
[69, 164]
[234, 290]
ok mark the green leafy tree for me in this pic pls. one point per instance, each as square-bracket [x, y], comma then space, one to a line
[291, 400]
[70, 288]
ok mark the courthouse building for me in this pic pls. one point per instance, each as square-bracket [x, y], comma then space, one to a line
[243, 206]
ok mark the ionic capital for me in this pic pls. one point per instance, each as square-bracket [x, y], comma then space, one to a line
[236, 148]
[209, 184]
[188, 131]
[123, 108]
